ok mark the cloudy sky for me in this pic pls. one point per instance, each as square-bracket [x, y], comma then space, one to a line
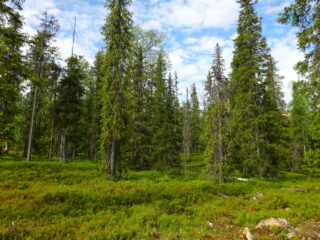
[193, 27]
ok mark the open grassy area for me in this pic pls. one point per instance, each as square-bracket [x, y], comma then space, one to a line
[76, 201]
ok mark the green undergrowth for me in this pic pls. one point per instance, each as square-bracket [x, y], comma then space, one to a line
[76, 201]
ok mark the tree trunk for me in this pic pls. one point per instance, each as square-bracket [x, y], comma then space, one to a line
[51, 141]
[220, 153]
[53, 122]
[62, 147]
[34, 106]
[112, 161]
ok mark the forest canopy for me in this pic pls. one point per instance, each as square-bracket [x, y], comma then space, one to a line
[125, 112]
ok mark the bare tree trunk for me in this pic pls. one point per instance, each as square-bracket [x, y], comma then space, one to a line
[112, 160]
[51, 141]
[34, 106]
[53, 122]
[63, 147]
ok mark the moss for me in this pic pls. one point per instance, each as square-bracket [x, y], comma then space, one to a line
[76, 201]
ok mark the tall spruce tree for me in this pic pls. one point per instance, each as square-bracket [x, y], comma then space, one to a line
[69, 106]
[147, 45]
[277, 133]
[12, 70]
[195, 116]
[140, 127]
[174, 120]
[300, 119]
[92, 107]
[305, 15]
[217, 118]
[159, 113]
[118, 36]
[166, 127]
[252, 82]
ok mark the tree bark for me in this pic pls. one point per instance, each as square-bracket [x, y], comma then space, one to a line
[34, 106]
[112, 161]
[62, 147]
[53, 122]
[51, 141]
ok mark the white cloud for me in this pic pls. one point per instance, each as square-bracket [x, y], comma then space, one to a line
[189, 25]
[192, 58]
[192, 61]
[208, 43]
[90, 19]
[190, 40]
[285, 52]
[194, 14]
[274, 7]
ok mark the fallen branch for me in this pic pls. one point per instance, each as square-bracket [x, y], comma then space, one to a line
[222, 195]
[242, 179]
[295, 190]
[12, 225]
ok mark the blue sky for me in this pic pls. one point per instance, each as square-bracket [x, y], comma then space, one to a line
[193, 27]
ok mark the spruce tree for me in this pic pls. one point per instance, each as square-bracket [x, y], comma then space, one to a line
[92, 107]
[159, 114]
[300, 119]
[276, 126]
[195, 116]
[217, 118]
[118, 36]
[147, 44]
[12, 70]
[165, 120]
[305, 15]
[140, 127]
[252, 82]
[173, 125]
[69, 106]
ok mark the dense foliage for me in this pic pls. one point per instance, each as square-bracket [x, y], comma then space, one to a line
[305, 15]
[125, 111]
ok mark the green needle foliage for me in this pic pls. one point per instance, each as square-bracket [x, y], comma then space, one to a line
[125, 110]
[69, 105]
[12, 72]
[255, 99]
[195, 118]
[118, 36]
[305, 15]
[42, 57]
[217, 118]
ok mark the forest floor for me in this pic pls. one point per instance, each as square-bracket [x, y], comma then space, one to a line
[76, 201]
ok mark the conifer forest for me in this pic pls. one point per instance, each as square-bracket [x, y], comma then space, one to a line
[117, 149]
